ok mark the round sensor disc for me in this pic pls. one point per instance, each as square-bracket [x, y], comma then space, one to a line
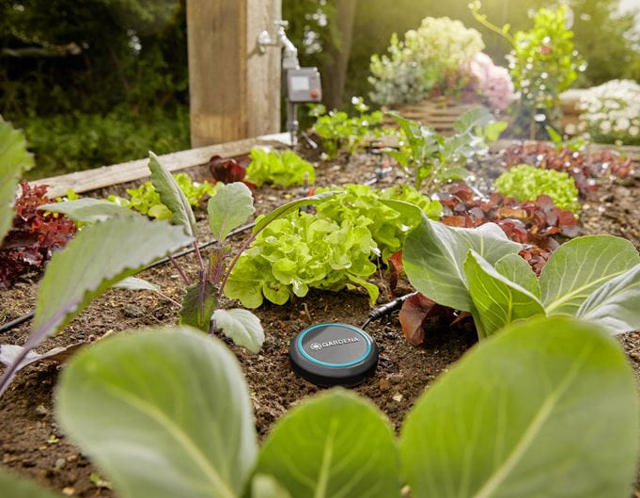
[332, 354]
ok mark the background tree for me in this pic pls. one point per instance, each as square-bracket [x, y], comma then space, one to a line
[60, 55]
[94, 82]
[336, 65]
[608, 42]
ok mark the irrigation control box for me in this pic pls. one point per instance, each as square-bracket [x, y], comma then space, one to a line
[332, 354]
[303, 85]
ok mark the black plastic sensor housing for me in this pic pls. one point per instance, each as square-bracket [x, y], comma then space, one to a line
[330, 354]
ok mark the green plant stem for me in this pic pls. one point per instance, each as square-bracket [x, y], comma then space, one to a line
[431, 178]
[482, 19]
[243, 248]
[215, 269]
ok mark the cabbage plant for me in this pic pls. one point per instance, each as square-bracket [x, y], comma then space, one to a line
[99, 257]
[228, 208]
[546, 408]
[14, 161]
[117, 243]
[478, 270]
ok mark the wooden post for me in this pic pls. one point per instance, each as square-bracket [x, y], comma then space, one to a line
[234, 90]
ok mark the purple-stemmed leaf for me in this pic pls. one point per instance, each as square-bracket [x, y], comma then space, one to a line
[14, 159]
[171, 195]
[99, 256]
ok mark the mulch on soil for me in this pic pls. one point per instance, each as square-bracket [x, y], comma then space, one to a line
[32, 445]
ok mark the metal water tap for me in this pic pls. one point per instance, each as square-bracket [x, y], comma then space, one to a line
[290, 52]
[300, 85]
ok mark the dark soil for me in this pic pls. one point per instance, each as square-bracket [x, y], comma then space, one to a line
[32, 445]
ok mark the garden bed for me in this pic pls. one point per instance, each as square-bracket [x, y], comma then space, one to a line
[32, 445]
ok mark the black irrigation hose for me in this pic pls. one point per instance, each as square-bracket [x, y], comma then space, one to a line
[25, 318]
[18, 321]
[191, 249]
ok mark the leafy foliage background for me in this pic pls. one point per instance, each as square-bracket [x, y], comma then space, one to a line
[119, 89]
[603, 37]
[101, 81]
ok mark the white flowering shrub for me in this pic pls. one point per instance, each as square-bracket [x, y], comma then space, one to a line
[434, 55]
[610, 113]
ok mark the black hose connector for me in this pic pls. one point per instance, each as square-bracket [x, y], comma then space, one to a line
[385, 309]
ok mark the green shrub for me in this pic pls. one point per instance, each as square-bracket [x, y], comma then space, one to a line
[105, 53]
[78, 141]
[542, 65]
[526, 183]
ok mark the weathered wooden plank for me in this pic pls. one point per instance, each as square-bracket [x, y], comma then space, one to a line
[84, 181]
[263, 70]
[234, 91]
[216, 32]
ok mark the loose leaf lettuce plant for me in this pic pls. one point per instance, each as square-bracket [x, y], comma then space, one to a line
[119, 243]
[527, 183]
[33, 237]
[596, 278]
[146, 200]
[434, 159]
[361, 205]
[341, 133]
[547, 408]
[331, 250]
[283, 169]
[299, 252]
[229, 207]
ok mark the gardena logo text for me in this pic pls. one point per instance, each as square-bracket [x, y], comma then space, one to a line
[318, 346]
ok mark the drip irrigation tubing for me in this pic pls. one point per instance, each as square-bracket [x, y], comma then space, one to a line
[4, 328]
[25, 318]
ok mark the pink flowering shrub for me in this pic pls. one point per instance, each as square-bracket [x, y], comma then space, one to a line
[492, 82]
